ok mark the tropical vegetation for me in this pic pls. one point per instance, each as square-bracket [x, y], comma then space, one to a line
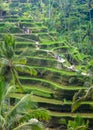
[46, 60]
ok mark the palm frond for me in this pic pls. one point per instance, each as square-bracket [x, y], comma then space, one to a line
[26, 69]
[21, 60]
[22, 104]
[2, 50]
[24, 52]
[83, 127]
[2, 87]
[8, 91]
[4, 61]
[9, 41]
[31, 126]
[78, 94]
[16, 80]
[77, 103]
[78, 98]
[8, 46]
[2, 122]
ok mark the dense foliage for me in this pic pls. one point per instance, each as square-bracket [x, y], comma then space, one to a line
[58, 29]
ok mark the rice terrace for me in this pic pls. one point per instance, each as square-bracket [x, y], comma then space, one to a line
[46, 64]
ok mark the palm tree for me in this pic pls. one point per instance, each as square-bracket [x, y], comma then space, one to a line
[10, 63]
[18, 116]
[13, 118]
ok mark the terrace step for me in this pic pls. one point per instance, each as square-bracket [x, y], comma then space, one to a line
[56, 105]
[52, 87]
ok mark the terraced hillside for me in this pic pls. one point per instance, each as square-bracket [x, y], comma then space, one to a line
[57, 80]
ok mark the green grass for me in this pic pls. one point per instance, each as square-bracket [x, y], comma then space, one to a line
[22, 38]
[44, 43]
[51, 84]
[24, 42]
[39, 88]
[38, 91]
[57, 72]
[61, 47]
[41, 58]
[39, 99]
[72, 115]
[53, 70]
